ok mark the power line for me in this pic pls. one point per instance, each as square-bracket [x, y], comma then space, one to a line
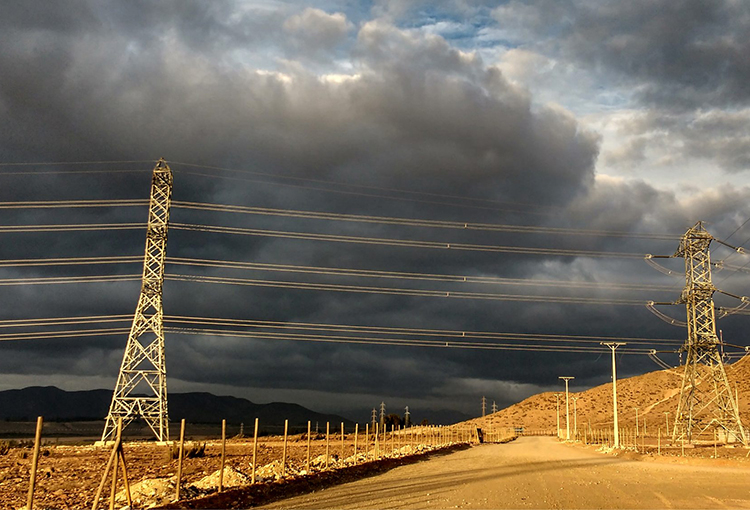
[62, 321]
[63, 334]
[370, 273]
[737, 229]
[57, 204]
[51, 163]
[400, 242]
[523, 207]
[446, 333]
[67, 172]
[392, 341]
[70, 261]
[454, 335]
[399, 291]
[68, 280]
[519, 209]
[80, 227]
[291, 213]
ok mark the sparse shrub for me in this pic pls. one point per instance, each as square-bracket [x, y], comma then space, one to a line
[193, 449]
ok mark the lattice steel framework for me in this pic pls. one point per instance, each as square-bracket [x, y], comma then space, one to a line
[143, 366]
[706, 398]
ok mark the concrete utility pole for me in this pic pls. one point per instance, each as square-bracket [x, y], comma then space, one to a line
[484, 407]
[567, 407]
[636, 422]
[575, 418]
[557, 396]
[613, 346]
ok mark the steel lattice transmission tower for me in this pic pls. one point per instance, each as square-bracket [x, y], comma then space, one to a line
[706, 399]
[143, 366]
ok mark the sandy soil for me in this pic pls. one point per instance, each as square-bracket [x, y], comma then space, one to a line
[68, 475]
[539, 472]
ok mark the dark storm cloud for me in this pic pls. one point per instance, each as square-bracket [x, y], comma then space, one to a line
[686, 53]
[218, 84]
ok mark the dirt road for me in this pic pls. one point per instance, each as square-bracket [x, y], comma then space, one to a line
[537, 472]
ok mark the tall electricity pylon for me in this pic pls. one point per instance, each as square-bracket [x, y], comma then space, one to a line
[143, 367]
[484, 407]
[706, 399]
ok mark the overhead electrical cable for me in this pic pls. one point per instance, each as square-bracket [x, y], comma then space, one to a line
[68, 280]
[59, 204]
[370, 273]
[522, 206]
[456, 335]
[399, 291]
[71, 261]
[81, 227]
[50, 163]
[401, 242]
[69, 172]
[388, 220]
[62, 334]
[357, 329]
[62, 321]
[518, 209]
[395, 342]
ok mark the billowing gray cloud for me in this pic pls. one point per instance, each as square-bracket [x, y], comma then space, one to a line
[264, 91]
[683, 53]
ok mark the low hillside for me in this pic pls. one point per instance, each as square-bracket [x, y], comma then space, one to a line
[653, 393]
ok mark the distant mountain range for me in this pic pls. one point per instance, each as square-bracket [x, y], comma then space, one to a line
[55, 404]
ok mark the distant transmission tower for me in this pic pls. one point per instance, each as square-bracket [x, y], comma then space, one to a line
[382, 415]
[494, 407]
[143, 368]
[407, 417]
[374, 418]
[484, 407]
[706, 400]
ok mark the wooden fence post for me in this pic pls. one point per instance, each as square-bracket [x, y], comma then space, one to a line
[328, 442]
[112, 458]
[113, 489]
[283, 457]
[223, 453]
[376, 446]
[255, 449]
[307, 464]
[179, 462]
[356, 437]
[34, 463]
[343, 453]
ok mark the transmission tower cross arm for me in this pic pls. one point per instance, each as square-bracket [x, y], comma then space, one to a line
[143, 368]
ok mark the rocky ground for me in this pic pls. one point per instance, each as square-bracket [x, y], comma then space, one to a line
[68, 475]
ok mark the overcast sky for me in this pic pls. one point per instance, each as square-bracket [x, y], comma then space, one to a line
[618, 116]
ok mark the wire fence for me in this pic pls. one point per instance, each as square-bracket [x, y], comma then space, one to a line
[144, 473]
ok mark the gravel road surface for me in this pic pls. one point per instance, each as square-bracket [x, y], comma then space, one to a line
[538, 472]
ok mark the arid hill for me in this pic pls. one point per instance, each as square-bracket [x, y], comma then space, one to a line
[653, 393]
